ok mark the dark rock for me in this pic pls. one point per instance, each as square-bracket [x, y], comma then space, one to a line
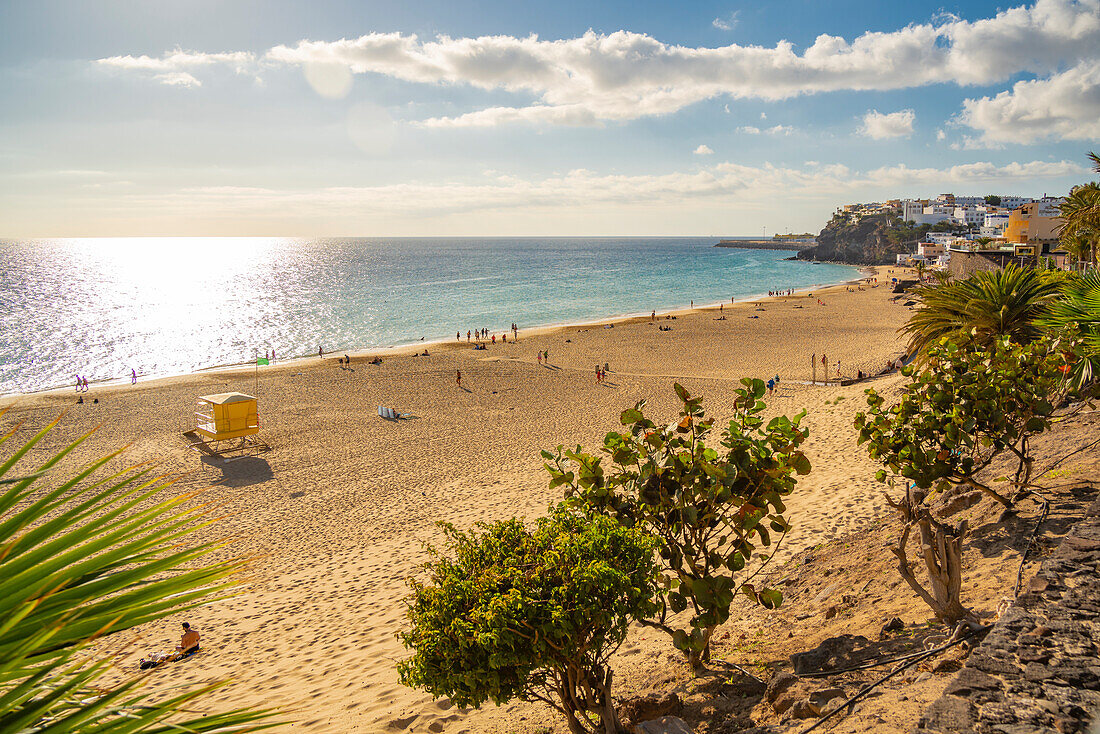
[820, 699]
[663, 725]
[949, 713]
[948, 665]
[894, 625]
[653, 706]
[969, 681]
[802, 710]
[777, 684]
[835, 652]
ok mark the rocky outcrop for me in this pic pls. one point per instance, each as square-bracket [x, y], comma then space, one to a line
[1037, 670]
[867, 242]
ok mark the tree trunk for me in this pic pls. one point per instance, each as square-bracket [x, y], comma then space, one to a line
[941, 548]
[576, 705]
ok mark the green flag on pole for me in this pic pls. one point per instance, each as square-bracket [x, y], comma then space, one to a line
[262, 360]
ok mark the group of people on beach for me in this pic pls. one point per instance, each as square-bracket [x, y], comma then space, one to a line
[601, 372]
[483, 333]
[786, 292]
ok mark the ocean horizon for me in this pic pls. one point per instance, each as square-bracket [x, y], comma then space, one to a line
[99, 307]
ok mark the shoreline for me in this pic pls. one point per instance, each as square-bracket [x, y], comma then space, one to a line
[404, 349]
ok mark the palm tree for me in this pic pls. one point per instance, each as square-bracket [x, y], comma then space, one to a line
[82, 557]
[1080, 211]
[1079, 308]
[983, 307]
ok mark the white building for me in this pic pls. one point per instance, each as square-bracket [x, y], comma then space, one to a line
[970, 201]
[968, 216]
[911, 209]
[1012, 202]
[994, 223]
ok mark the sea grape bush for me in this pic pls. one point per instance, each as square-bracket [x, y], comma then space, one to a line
[964, 409]
[710, 508]
[533, 614]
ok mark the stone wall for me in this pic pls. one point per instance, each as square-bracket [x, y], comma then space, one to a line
[1037, 670]
[965, 264]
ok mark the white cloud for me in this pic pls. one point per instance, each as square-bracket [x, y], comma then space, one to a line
[624, 75]
[703, 150]
[940, 134]
[1065, 106]
[880, 125]
[728, 23]
[569, 115]
[174, 67]
[178, 79]
[763, 115]
[972, 143]
[774, 130]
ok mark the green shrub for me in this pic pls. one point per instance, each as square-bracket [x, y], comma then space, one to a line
[531, 614]
[710, 508]
[966, 408]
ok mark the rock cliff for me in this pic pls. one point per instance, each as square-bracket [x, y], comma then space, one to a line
[867, 242]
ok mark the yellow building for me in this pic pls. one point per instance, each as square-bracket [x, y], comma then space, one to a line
[1036, 223]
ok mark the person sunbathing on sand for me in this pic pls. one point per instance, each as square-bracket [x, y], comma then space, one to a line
[189, 642]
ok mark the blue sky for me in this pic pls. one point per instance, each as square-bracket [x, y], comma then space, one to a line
[506, 118]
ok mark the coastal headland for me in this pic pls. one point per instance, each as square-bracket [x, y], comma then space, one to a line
[336, 515]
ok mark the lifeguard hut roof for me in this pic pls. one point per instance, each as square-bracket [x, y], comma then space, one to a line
[224, 398]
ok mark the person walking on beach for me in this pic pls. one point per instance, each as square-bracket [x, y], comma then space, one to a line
[653, 315]
[273, 355]
[546, 355]
[539, 358]
[133, 376]
[458, 377]
[321, 352]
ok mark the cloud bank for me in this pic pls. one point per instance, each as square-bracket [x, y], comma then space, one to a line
[735, 186]
[598, 78]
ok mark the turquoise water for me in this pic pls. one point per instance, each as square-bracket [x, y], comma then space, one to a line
[99, 307]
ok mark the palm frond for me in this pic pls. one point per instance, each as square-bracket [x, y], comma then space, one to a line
[88, 554]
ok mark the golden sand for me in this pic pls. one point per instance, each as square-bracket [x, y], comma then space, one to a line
[336, 513]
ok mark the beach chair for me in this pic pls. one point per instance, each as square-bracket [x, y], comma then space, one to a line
[388, 413]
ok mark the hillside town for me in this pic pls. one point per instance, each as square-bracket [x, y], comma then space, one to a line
[968, 233]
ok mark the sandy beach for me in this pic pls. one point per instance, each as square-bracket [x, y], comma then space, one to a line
[335, 515]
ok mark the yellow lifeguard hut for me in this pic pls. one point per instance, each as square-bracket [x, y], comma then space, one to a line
[226, 416]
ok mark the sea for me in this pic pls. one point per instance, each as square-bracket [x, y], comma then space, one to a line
[175, 305]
